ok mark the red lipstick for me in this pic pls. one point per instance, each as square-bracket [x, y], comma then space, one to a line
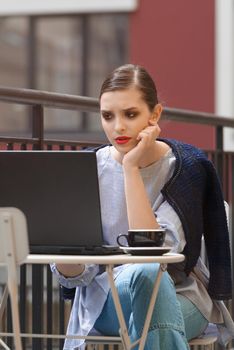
[121, 140]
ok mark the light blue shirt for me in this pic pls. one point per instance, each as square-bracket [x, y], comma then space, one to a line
[93, 285]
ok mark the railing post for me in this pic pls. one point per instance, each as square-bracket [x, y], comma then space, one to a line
[9, 323]
[37, 305]
[219, 149]
[84, 71]
[37, 271]
[61, 318]
[38, 125]
[23, 302]
[49, 301]
[232, 230]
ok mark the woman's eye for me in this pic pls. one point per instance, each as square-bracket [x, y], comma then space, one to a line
[131, 115]
[106, 116]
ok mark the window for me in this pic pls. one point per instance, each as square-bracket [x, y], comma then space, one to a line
[65, 54]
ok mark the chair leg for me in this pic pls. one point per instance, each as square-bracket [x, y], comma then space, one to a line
[15, 313]
[4, 345]
[2, 309]
[7, 226]
[3, 302]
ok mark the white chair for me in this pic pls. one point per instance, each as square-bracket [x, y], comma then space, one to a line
[206, 341]
[14, 249]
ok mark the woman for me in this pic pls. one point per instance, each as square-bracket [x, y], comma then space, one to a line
[147, 182]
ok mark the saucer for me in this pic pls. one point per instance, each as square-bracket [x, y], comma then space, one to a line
[146, 250]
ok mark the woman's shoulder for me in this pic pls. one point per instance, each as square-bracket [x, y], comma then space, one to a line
[185, 150]
[103, 155]
[191, 159]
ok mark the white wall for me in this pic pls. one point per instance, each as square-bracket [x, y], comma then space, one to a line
[224, 65]
[29, 7]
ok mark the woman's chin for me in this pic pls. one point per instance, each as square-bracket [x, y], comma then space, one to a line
[123, 149]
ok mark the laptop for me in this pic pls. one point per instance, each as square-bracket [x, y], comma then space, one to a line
[58, 192]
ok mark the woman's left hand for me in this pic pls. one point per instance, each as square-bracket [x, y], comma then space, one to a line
[146, 139]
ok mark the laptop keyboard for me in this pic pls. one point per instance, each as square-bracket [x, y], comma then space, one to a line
[103, 250]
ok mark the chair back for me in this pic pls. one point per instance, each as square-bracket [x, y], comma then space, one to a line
[13, 235]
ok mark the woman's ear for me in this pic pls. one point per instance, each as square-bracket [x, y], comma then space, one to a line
[156, 114]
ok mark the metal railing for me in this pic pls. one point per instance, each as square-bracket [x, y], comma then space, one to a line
[39, 100]
[41, 306]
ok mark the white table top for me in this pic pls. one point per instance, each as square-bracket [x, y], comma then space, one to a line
[103, 259]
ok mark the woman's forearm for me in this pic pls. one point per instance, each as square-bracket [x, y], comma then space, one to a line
[140, 213]
[70, 270]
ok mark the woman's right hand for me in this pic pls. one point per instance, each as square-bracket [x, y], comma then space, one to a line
[146, 139]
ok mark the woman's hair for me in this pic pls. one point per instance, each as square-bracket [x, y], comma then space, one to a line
[130, 75]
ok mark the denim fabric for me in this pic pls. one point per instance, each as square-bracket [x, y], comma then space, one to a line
[134, 285]
[195, 322]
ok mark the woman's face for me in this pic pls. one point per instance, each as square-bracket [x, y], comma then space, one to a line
[124, 114]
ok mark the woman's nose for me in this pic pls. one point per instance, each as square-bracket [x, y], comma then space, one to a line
[119, 125]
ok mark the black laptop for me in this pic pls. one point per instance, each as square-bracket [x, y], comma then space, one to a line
[59, 194]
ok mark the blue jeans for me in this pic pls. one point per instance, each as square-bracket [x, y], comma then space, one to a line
[175, 319]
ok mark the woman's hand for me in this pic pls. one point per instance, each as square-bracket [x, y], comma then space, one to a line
[146, 139]
[70, 270]
[140, 213]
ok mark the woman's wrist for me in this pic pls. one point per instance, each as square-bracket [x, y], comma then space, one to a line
[129, 167]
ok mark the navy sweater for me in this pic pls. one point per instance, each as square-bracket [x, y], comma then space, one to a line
[195, 193]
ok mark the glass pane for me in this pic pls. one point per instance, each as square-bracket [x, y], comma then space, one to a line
[64, 120]
[61, 43]
[65, 132]
[14, 120]
[60, 66]
[108, 47]
[13, 51]
[59, 54]
[13, 73]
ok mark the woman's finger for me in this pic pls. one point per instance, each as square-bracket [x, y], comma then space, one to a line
[149, 131]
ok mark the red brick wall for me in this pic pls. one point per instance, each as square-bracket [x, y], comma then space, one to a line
[174, 40]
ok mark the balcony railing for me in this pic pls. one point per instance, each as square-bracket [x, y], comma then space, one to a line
[41, 306]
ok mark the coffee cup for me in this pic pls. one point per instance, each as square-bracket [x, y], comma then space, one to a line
[142, 238]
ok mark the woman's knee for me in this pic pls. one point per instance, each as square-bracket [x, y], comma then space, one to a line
[144, 271]
[144, 276]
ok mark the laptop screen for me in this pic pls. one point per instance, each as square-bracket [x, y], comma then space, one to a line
[59, 194]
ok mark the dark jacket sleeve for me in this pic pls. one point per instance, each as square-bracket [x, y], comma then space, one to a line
[216, 237]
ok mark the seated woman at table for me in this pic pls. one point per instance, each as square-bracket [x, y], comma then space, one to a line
[148, 182]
